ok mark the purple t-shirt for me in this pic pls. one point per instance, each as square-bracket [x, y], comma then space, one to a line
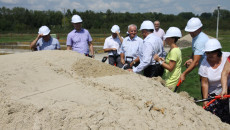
[79, 41]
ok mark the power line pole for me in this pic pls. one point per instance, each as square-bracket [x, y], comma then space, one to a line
[217, 26]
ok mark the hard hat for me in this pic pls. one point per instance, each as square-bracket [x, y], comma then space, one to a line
[76, 19]
[193, 24]
[115, 28]
[212, 45]
[147, 25]
[44, 30]
[173, 32]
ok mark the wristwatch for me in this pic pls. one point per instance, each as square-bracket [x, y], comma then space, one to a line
[161, 62]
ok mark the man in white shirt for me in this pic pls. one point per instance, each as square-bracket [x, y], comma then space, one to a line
[151, 45]
[112, 45]
[130, 47]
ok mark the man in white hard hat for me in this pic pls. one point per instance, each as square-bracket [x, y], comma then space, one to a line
[79, 39]
[112, 45]
[130, 47]
[44, 41]
[151, 45]
[194, 27]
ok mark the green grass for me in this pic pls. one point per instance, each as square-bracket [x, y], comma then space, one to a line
[12, 37]
[8, 38]
[192, 82]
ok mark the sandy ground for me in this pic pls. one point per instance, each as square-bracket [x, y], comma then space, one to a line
[65, 90]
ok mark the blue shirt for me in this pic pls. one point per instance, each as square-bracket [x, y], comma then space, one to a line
[130, 47]
[151, 45]
[79, 41]
[198, 44]
[52, 44]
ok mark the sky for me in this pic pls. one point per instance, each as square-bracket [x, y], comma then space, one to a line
[132, 6]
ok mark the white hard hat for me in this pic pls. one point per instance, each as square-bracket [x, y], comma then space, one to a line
[173, 32]
[115, 28]
[76, 19]
[147, 25]
[212, 45]
[44, 30]
[193, 24]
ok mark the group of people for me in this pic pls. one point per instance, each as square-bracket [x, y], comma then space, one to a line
[79, 39]
[147, 56]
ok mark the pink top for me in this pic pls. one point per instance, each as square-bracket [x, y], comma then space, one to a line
[160, 33]
[229, 59]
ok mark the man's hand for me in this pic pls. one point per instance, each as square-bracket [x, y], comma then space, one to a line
[122, 61]
[205, 103]
[156, 57]
[131, 64]
[117, 33]
[224, 92]
[188, 63]
[162, 59]
[130, 70]
[182, 77]
[93, 56]
[39, 35]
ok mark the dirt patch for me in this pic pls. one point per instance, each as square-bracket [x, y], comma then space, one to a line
[90, 68]
[64, 90]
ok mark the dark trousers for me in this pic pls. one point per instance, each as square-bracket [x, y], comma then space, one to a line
[221, 109]
[115, 60]
[154, 71]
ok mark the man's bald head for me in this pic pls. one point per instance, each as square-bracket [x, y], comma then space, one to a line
[157, 25]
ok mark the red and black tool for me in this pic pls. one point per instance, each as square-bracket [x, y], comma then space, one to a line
[214, 98]
[177, 86]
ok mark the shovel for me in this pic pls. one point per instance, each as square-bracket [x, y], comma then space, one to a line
[214, 98]
[177, 86]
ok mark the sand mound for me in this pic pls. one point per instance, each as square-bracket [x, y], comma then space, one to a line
[186, 41]
[65, 90]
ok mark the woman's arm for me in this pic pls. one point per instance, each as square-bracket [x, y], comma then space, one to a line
[169, 66]
[224, 78]
[204, 85]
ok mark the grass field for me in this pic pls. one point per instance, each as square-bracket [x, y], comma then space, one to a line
[190, 85]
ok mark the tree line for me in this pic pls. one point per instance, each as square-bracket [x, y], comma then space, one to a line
[22, 20]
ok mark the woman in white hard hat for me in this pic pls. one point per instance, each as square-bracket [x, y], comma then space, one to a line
[44, 41]
[172, 64]
[210, 72]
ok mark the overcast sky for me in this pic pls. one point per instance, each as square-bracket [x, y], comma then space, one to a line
[133, 6]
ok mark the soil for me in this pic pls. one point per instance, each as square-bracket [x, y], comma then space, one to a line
[66, 90]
